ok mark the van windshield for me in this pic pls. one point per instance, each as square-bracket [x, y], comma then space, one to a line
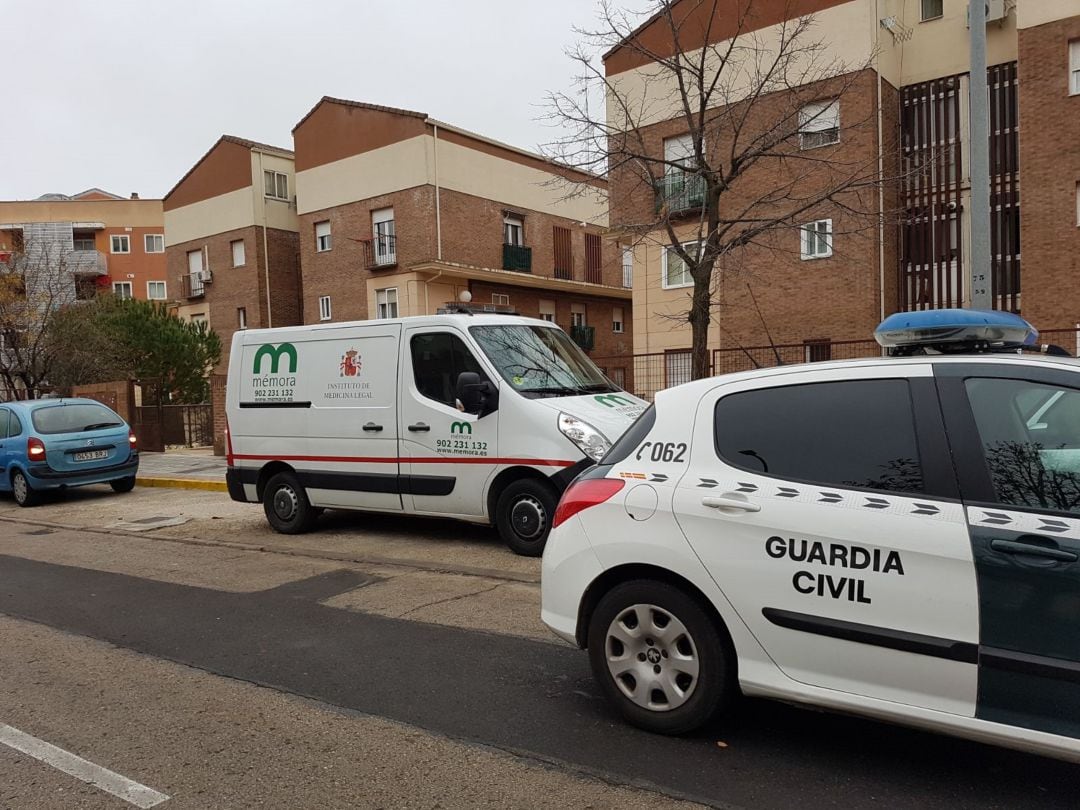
[540, 361]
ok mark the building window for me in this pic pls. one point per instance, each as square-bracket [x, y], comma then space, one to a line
[276, 185]
[382, 226]
[616, 320]
[674, 271]
[628, 267]
[324, 308]
[83, 240]
[618, 376]
[238, 257]
[155, 290]
[122, 289]
[547, 310]
[194, 262]
[819, 124]
[154, 243]
[120, 243]
[577, 314]
[817, 351]
[500, 299]
[241, 318]
[322, 236]
[386, 301]
[1074, 67]
[931, 9]
[816, 239]
[513, 231]
[197, 317]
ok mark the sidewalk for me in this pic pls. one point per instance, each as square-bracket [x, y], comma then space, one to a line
[196, 468]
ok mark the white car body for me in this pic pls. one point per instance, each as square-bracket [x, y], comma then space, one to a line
[894, 630]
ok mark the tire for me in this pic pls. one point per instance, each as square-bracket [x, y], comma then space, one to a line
[523, 516]
[286, 505]
[678, 634]
[24, 494]
[123, 484]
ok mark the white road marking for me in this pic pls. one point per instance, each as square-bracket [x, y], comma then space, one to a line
[101, 778]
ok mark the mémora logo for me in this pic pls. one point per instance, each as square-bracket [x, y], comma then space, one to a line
[460, 427]
[275, 354]
[613, 400]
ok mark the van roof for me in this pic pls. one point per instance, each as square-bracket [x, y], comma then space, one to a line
[463, 320]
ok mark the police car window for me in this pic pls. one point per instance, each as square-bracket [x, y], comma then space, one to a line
[438, 358]
[1030, 434]
[857, 433]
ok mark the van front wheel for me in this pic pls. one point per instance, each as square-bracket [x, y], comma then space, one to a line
[287, 508]
[523, 516]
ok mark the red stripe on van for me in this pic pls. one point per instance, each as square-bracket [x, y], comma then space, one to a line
[535, 462]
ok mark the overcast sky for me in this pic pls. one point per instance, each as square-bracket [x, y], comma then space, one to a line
[128, 94]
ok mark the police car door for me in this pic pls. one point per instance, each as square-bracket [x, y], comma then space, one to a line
[448, 454]
[1015, 431]
[823, 506]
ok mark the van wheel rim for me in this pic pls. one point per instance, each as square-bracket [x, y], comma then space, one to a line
[528, 518]
[652, 658]
[20, 488]
[286, 503]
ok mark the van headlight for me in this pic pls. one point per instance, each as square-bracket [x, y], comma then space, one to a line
[589, 440]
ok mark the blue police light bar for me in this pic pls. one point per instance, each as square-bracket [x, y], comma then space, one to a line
[954, 330]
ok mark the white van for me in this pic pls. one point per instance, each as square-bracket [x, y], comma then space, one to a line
[484, 418]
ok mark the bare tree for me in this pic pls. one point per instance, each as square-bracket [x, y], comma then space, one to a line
[756, 158]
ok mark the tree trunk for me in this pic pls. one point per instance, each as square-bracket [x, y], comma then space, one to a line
[700, 317]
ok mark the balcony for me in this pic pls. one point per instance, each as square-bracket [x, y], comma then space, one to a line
[192, 285]
[680, 192]
[380, 253]
[88, 263]
[517, 258]
[583, 336]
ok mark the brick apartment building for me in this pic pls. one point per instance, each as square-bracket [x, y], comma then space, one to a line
[104, 240]
[908, 106]
[400, 213]
[231, 240]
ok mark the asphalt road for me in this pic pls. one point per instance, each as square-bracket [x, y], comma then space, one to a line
[308, 631]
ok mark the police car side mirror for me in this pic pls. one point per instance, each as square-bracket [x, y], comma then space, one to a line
[475, 395]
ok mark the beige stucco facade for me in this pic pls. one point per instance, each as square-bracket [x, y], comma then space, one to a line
[130, 213]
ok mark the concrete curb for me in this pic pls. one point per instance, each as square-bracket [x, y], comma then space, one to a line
[182, 483]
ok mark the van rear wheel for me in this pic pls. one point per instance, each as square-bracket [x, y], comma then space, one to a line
[286, 504]
[523, 515]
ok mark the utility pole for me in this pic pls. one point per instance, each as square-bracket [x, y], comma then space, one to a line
[981, 295]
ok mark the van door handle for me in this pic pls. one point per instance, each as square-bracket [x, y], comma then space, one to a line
[730, 501]
[1032, 550]
[371, 427]
[419, 427]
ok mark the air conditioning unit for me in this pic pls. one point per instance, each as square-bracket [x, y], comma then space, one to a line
[206, 276]
[995, 10]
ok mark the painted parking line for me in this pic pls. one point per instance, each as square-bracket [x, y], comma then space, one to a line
[101, 778]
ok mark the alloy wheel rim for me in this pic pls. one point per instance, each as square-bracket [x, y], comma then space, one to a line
[20, 487]
[652, 658]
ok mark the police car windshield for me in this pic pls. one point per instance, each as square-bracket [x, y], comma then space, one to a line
[541, 361]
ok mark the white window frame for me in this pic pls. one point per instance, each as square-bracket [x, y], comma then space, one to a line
[326, 311]
[241, 317]
[243, 252]
[324, 241]
[819, 124]
[578, 315]
[500, 299]
[159, 238]
[679, 149]
[1074, 68]
[667, 251]
[120, 285]
[277, 180]
[513, 228]
[126, 241]
[384, 236]
[164, 291]
[547, 303]
[809, 251]
[628, 267]
[922, 12]
[383, 303]
[617, 323]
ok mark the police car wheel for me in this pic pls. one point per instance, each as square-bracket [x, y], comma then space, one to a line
[523, 516]
[287, 508]
[658, 657]
[21, 490]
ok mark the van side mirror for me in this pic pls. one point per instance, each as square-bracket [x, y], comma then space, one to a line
[475, 395]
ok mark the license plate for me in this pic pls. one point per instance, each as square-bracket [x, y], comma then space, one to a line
[91, 455]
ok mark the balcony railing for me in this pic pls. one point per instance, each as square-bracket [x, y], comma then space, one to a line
[193, 285]
[518, 258]
[583, 336]
[380, 252]
[680, 192]
[88, 263]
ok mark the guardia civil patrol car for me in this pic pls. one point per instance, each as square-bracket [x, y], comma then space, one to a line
[896, 537]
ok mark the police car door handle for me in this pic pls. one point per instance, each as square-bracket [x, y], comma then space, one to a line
[730, 501]
[371, 427]
[419, 427]
[1032, 550]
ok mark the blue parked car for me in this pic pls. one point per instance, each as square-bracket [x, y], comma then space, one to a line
[59, 443]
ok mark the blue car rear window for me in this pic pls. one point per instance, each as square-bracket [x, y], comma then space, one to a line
[74, 418]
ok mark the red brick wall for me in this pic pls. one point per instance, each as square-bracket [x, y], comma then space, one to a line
[1049, 172]
[217, 405]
